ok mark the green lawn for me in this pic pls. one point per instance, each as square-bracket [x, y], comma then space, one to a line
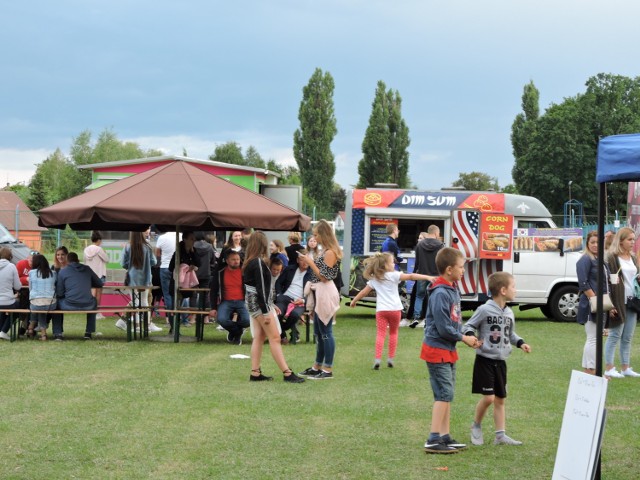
[110, 409]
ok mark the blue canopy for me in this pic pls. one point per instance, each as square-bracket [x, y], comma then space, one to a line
[618, 158]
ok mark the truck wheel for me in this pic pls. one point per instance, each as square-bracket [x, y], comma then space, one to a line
[546, 311]
[564, 304]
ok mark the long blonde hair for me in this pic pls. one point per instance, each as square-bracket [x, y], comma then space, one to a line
[329, 240]
[376, 265]
[618, 238]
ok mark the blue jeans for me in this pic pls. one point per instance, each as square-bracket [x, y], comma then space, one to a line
[165, 282]
[39, 314]
[421, 293]
[624, 334]
[63, 305]
[5, 317]
[326, 346]
[225, 312]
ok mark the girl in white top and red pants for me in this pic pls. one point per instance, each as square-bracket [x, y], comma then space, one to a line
[384, 279]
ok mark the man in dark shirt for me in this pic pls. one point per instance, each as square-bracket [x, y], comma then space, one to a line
[426, 252]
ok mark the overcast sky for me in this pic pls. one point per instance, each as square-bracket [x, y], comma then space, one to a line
[195, 74]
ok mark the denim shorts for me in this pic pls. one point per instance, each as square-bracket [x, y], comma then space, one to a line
[443, 380]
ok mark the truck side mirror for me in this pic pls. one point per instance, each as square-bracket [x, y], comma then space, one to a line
[561, 246]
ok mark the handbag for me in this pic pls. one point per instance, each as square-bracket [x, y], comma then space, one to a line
[607, 304]
[633, 303]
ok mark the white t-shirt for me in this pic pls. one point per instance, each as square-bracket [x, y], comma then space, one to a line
[167, 243]
[629, 272]
[387, 296]
[296, 289]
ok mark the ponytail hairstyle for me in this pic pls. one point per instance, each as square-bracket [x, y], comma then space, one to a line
[376, 265]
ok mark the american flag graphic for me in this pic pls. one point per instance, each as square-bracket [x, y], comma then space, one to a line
[476, 276]
[465, 229]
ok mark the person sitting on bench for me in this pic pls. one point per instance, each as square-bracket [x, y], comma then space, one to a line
[227, 298]
[73, 290]
[290, 297]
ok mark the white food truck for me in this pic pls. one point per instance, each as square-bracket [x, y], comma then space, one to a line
[494, 231]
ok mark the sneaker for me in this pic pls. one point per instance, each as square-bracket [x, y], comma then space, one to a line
[154, 328]
[450, 442]
[404, 323]
[438, 447]
[100, 316]
[390, 363]
[309, 372]
[220, 328]
[293, 378]
[506, 440]
[414, 323]
[121, 324]
[613, 373]
[321, 376]
[4, 336]
[87, 336]
[476, 435]
[421, 324]
[629, 373]
[58, 338]
[376, 365]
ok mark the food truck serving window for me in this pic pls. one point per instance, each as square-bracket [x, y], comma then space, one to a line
[410, 229]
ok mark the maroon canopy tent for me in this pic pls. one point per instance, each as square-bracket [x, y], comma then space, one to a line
[173, 196]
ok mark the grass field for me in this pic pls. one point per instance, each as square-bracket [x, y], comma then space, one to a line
[109, 409]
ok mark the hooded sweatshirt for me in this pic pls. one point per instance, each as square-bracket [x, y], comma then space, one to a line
[442, 329]
[74, 284]
[426, 251]
[496, 329]
[9, 282]
[204, 255]
[96, 258]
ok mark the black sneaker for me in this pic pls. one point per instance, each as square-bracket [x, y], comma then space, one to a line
[450, 442]
[58, 338]
[309, 372]
[414, 323]
[438, 447]
[293, 378]
[321, 376]
[87, 336]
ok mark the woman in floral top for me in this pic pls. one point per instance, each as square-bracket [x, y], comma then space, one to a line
[325, 269]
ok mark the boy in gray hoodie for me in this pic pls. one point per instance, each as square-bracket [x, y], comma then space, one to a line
[495, 323]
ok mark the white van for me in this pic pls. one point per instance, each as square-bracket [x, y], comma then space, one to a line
[494, 231]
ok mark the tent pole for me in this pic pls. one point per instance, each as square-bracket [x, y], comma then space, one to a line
[176, 284]
[599, 312]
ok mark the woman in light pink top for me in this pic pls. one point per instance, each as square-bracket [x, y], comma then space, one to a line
[96, 258]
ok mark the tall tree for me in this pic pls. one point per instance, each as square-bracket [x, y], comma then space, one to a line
[312, 140]
[477, 181]
[253, 159]
[384, 148]
[560, 146]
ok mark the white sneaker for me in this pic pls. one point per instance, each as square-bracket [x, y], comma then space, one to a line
[100, 316]
[629, 373]
[220, 328]
[476, 435]
[4, 336]
[154, 328]
[121, 324]
[613, 373]
[404, 323]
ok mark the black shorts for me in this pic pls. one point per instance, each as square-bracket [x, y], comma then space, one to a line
[489, 377]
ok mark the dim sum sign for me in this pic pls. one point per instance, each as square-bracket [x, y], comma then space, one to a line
[496, 236]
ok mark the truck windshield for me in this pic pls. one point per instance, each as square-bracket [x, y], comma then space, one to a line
[5, 236]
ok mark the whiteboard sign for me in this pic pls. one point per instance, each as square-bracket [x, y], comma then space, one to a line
[582, 425]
